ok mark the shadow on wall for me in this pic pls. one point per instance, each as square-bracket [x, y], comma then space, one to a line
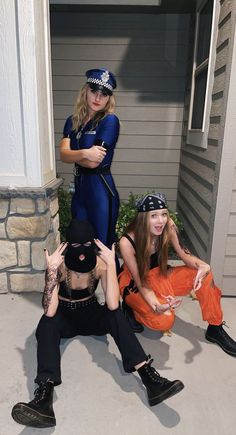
[147, 52]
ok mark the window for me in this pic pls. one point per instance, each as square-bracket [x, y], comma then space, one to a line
[203, 73]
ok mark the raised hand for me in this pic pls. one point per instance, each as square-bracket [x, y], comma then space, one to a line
[202, 272]
[171, 303]
[55, 260]
[107, 255]
[174, 302]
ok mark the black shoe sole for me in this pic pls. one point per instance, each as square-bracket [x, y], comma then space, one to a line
[174, 389]
[213, 340]
[27, 416]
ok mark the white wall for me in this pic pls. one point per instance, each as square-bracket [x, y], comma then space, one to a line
[26, 121]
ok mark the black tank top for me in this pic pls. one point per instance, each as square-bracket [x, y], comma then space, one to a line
[71, 293]
[153, 257]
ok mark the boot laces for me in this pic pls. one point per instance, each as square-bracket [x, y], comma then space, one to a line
[225, 324]
[40, 392]
[224, 334]
[153, 373]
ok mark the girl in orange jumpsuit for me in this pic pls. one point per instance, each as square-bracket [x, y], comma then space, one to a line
[152, 288]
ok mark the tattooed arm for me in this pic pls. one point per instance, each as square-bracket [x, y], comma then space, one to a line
[52, 279]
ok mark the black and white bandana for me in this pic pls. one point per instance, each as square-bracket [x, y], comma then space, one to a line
[151, 201]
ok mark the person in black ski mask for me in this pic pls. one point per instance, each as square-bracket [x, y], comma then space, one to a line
[81, 250]
[70, 309]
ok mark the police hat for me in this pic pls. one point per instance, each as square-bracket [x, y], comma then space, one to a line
[102, 78]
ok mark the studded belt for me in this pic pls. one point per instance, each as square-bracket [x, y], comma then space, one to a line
[70, 305]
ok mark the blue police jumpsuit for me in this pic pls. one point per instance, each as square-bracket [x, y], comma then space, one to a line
[92, 199]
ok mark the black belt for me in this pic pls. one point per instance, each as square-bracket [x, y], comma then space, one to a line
[80, 170]
[100, 170]
[70, 305]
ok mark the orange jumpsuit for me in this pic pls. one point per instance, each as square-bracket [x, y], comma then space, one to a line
[178, 282]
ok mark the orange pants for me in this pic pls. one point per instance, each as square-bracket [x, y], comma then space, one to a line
[178, 282]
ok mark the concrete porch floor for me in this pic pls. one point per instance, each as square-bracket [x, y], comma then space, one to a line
[97, 397]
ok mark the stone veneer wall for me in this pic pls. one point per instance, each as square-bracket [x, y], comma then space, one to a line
[29, 222]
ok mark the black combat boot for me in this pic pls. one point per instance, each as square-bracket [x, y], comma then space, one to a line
[158, 388]
[129, 315]
[216, 334]
[39, 412]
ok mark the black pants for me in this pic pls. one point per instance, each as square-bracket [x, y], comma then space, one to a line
[92, 319]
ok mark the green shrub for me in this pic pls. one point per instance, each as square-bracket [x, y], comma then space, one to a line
[126, 213]
[64, 200]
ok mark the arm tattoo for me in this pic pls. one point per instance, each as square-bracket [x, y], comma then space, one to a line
[52, 277]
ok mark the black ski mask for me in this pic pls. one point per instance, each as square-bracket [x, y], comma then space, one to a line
[80, 232]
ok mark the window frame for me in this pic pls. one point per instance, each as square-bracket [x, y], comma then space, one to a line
[198, 137]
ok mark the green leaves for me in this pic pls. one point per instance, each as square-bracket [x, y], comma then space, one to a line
[126, 213]
[64, 200]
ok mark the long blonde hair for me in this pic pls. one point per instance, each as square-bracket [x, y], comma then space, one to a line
[81, 109]
[140, 227]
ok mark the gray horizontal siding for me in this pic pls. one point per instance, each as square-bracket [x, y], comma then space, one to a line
[148, 54]
[127, 98]
[156, 68]
[195, 186]
[232, 224]
[229, 266]
[150, 142]
[155, 38]
[72, 83]
[195, 231]
[228, 284]
[231, 245]
[132, 113]
[200, 169]
[87, 25]
[104, 52]
[131, 168]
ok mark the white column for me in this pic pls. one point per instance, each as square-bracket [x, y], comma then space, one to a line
[226, 179]
[26, 117]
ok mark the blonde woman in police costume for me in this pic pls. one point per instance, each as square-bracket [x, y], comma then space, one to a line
[89, 139]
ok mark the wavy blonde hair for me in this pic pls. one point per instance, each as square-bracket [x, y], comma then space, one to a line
[140, 227]
[81, 109]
